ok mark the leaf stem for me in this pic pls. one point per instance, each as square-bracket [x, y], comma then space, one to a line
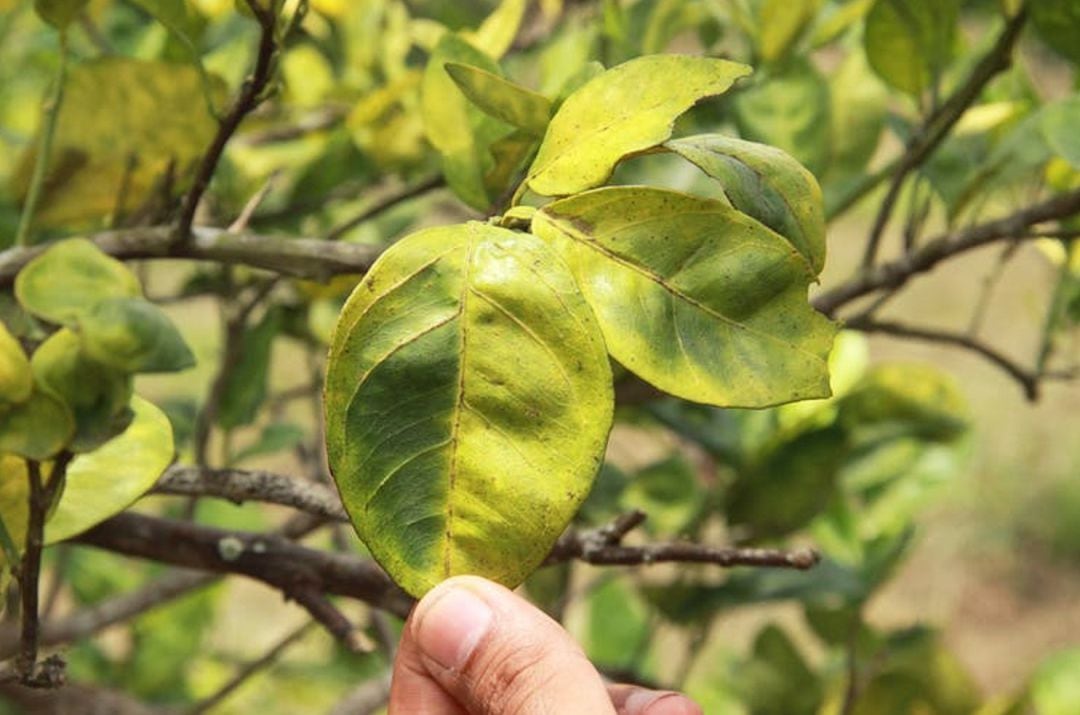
[48, 132]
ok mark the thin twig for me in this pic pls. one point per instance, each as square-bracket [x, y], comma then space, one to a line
[384, 204]
[250, 669]
[938, 125]
[250, 96]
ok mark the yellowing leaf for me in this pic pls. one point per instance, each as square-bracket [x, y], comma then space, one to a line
[99, 484]
[16, 380]
[97, 395]
[106, 481]
[36, 428]
[133, 335]
[121, 124]
[498, 30]
[694, 296]
[70, 278]
[626, 109]
[468, 401]
[764, 182]
[502, 99]
[909, 42]
[781, 23]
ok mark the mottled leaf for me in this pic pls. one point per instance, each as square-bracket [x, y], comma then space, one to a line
[70, 278]
[133, 335]
[501, 98]
[765, 183]
[96, 394]
[468, 400]
[626, 109]
[910, 42]
[789, 110]
[694, 296]
[16, 380]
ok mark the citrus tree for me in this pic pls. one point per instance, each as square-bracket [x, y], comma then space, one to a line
[426, 256]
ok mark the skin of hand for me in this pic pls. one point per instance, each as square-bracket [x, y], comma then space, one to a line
[473, 647]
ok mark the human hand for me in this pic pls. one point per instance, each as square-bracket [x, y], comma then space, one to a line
[472, 647]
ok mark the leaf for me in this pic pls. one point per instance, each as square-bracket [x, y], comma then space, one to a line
[906, 398]
[497, 32]
[97, 485]
[97, 395]
[275, 437]
[16, 380]
[468, 401]
[1057, 22]
[910, 42]
[245, 389]
[626, 109]
[790, 111]
[782, 23]
[1055, 686]
[764, 182]
[133, 335]
[122, 124]
[36, 428]
[70, 278]
[669, 492]
[618, 627]
[59, 13]
[857, 110]
[102, 483]
[1059, 122]
[501, 98]
[693, 296]
[777, 680]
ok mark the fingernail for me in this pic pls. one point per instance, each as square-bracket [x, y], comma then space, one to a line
[450, 628]
[642, 699]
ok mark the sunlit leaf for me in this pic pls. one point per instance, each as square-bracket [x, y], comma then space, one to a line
[70, 278]
[765, 183]
[133, 335]
[842, 17]
[501, 98]
[498, 30]
[626, 109]
[16, 380]
[468, 400]
[693, 296]
[781, 23]
[36, 428]
[910, 42]
[1055, 687]
[790, 111]
[97, 395]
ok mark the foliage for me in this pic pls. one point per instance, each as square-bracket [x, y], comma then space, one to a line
[528, 224]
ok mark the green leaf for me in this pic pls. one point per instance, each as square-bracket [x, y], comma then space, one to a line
[36, 428]
[764, 182]
[1058, 24]
[782, 23]
[501, 98]
[857, 110]
[122, 124]
[789, 109]
[468, 401]
[777, 680]
[626, 109]
[133, 335]
[1059, 122]
[804, 471]
[70, 278]
[59, 13]
[669, 492]
[102, 483]
[618, 627]
[906, 398]
[1055, 687]
[245, 389]
[96, 394]
[910, 42]
[16, 380]
[497, 32]
[693, 296]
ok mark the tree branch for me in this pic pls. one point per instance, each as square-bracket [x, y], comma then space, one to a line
[894, 274]
[938, 125]
[250, 96]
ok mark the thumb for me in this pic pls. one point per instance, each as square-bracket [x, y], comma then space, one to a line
[492, 653]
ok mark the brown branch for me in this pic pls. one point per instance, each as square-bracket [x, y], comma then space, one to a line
[385, 203]
[238, 485]
[295, 257]
[269, 558]
[250, 96]
[1027, 379]
[938, 125]
[894, 274]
